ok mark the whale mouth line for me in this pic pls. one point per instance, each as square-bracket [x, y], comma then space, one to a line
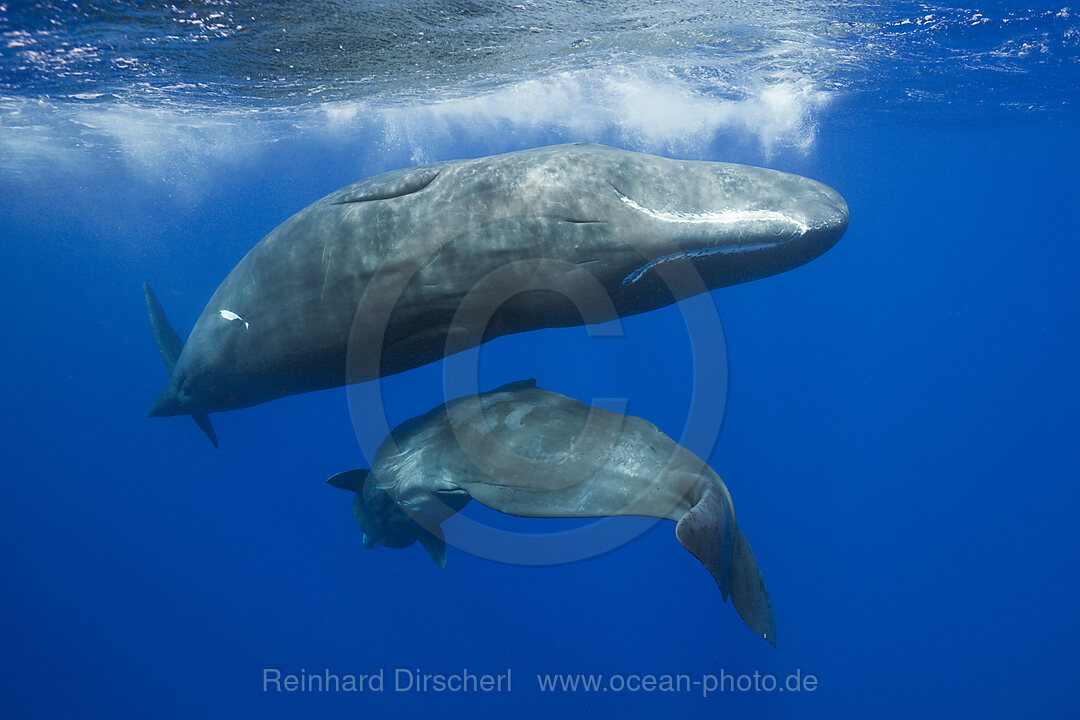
[637, 274]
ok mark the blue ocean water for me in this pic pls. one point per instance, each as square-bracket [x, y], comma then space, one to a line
[900, 430]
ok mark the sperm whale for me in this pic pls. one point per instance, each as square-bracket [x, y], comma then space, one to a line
[403, 268]
[532, 452]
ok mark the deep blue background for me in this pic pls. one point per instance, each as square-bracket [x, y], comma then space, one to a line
[900, 440]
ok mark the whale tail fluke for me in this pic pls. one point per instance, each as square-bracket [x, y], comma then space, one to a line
[203, 421]
[170, 346]
[710, 533]
[435, 544]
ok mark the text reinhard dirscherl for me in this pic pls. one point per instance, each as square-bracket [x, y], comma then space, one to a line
[400, 680]
[415, 680]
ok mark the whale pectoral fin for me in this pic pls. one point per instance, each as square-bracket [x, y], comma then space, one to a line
[349, 480]
[435, 544]
[710, 533]
[385, 523]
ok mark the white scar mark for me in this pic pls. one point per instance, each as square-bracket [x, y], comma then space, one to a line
[230, 315]
[327, 273]
[515, 417]
[721, 217]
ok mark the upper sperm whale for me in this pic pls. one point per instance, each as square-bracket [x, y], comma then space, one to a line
[400, 269]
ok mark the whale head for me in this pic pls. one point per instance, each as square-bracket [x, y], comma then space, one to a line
[730, 223]
[382, 520]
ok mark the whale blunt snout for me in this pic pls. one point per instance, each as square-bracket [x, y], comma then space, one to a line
[830, 208]
[826, 217]
[820, 216]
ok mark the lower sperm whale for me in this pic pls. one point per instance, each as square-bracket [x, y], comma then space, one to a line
[531, 452]
[403, 268]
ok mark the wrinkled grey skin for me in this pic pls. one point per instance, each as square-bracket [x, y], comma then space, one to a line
[531, 452]
[399, 252]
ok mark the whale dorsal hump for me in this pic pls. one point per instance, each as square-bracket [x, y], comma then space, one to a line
[391, 185]
[516, 385]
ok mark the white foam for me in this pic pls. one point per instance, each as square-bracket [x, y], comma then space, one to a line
[645, 110]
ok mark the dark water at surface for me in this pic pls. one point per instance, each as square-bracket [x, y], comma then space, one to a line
[901, 428]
